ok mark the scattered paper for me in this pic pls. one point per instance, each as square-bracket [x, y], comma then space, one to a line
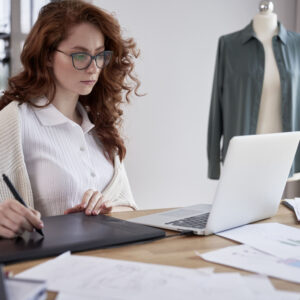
[74, 296]
[258, 283]
[89, 277]
[277, 239]
[249, 259]
[20, 289]
[205, 271]
[285, 295]
[263, 289]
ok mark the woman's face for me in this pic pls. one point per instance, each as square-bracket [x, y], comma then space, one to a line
[84, 37]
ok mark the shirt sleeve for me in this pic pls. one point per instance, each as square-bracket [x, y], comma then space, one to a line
[215, 123]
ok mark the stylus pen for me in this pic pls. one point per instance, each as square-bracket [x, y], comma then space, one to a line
[17, 196]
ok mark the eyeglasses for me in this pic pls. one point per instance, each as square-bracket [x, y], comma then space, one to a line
[82, 60]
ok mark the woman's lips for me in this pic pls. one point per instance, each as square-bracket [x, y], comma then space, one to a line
[88, 82]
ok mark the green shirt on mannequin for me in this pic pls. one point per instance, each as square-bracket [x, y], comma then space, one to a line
[237, 89]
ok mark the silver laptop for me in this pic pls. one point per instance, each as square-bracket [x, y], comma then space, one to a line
[250, 187]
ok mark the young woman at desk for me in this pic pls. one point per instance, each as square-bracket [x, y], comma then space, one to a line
[59, 118]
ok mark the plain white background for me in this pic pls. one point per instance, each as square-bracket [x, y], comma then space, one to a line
[166, 129]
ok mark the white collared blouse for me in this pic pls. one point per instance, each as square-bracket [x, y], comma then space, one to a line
[62, 158]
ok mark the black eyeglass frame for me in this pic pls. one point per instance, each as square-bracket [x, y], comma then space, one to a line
[107, 54]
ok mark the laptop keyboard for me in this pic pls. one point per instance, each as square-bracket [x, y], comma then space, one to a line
[194, 222]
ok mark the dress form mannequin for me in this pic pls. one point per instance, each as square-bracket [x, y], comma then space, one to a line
[265, 27]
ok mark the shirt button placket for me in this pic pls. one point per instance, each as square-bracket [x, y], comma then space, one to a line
[84, 158]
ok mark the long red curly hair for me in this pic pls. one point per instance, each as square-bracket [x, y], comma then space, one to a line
[103, 104]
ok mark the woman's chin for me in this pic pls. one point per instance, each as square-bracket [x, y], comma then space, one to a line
[85, 92]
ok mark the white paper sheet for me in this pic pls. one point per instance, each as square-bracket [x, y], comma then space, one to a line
[263, 289]
[90, 277]
[273, 238]
[74, 296]
[259, 285]
[25, 289]
[250, 259]
[284, 295]
[206, 271]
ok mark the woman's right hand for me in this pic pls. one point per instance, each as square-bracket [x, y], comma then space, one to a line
[15, 218]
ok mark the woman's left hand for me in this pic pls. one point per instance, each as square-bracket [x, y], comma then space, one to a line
[92, 204]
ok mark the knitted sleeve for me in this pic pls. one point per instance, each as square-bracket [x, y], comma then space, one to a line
[118, 193]
[11, 155]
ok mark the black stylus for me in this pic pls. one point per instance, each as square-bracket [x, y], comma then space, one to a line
[17, 197]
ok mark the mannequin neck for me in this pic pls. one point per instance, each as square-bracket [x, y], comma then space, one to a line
[265, 25]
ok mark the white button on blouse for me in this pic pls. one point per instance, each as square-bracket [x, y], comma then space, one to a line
[63, 159]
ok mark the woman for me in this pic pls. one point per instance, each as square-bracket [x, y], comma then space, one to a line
[60, 118]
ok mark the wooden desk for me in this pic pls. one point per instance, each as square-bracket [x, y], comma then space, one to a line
[175, 251]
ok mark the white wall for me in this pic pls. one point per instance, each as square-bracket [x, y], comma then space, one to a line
[166, 130]
[297, 27]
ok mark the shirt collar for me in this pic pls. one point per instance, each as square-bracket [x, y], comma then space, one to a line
[249, 33]
[51, 116]
[282, 33]
[86, 124]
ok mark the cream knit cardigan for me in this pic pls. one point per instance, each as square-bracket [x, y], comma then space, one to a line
[12, 163]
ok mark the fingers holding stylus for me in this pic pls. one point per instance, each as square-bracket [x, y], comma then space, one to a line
[31, 217]
[15, 219]
[7, 233]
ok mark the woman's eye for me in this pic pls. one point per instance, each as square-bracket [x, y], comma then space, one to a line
[80, 57]
[100, 56]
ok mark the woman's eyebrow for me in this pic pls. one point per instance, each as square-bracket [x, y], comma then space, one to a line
[85, 49]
